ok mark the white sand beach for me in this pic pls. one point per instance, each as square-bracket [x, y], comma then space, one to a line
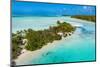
[28, 55]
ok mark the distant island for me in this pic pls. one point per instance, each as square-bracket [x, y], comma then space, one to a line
[84, 17]
[33, 40]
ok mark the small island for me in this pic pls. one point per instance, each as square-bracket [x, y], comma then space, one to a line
[85, 17]
[33, 40]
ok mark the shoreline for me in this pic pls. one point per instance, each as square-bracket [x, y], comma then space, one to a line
[29, 55]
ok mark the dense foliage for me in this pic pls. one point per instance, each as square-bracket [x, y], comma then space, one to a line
[36, 39]
[16, 40]
[88, 18]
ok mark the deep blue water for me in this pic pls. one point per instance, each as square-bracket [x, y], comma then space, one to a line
[47, 9]
[78, 47]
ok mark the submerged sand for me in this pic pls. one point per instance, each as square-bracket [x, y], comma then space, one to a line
[29, 55]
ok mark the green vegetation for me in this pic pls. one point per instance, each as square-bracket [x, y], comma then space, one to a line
[16, 40]
[37, 39]
[88, 18]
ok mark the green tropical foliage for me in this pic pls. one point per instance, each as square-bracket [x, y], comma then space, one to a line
[88, 18]
[15, 46]
[36, 39]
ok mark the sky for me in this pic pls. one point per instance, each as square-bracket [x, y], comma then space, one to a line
[47, 9]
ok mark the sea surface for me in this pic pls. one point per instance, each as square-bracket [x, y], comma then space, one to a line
[79, 47]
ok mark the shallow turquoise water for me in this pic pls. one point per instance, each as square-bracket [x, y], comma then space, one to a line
[78, 47]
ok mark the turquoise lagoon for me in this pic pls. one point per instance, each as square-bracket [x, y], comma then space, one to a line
[76, 48]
